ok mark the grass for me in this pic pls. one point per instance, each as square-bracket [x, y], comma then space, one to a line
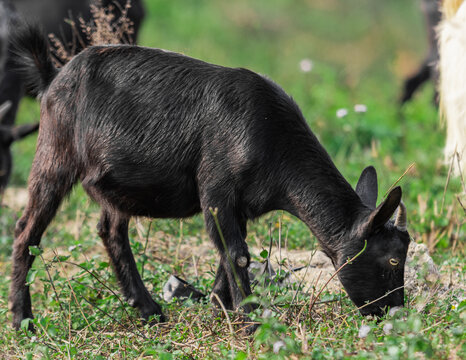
[359, 56]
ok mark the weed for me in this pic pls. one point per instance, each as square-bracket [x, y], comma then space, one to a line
[103, 29]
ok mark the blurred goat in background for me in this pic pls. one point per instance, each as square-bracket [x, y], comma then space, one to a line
[8, 134]
[3, 38]
[73, 25]
[429, 67]
[452, 46]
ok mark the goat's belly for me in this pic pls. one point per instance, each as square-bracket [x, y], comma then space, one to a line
[176, 199]
[158, 203]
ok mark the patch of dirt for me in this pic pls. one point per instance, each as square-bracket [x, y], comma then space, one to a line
[423, 278]
[15, 198]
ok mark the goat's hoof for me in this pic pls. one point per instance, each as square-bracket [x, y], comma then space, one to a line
[154, 319]
[17, 324]
[153, 316]
[150, 311]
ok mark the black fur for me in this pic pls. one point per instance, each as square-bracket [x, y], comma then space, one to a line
[37, 71]
[158, 134]
[3, 38]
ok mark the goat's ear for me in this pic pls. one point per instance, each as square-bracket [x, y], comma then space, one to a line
[378, 217]
[367, 188]
[19, 132]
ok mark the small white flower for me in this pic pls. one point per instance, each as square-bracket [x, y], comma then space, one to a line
[277, 346]
[33, 339]
[364, 331]
[71, 248]
[306, 65]
[387, 328]
[341, 113]
[267, 313]
[394, 310]
[455, 304]
[360, 108]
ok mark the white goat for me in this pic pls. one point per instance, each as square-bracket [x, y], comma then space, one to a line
[452, 47]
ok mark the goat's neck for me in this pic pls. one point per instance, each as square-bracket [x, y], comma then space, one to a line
[326, 202]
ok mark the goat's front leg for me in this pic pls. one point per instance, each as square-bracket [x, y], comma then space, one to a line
[232, 276]
[113, 229]
[221, 289]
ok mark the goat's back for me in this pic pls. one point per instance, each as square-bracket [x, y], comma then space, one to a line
[139, 118]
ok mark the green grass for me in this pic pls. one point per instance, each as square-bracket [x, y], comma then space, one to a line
[359, 54]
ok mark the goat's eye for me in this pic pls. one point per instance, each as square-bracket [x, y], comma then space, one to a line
[394, 262]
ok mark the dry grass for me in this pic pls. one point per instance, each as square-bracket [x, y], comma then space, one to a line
[103, 29]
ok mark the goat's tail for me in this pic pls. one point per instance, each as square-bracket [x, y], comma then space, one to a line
[31, 53]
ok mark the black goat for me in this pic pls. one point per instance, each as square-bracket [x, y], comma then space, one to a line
[53, 21]
[158, 134]
[429, 67]
[8, 133]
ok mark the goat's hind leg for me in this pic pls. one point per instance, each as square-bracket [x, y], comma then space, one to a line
[113, 229]
[48, 185]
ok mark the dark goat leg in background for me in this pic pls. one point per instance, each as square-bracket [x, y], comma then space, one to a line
[429, 67]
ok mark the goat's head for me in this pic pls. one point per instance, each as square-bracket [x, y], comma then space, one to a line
[375, 279]
[9, 134]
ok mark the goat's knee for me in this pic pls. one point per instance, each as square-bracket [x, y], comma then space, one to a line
[239, 256]
[243, 261]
